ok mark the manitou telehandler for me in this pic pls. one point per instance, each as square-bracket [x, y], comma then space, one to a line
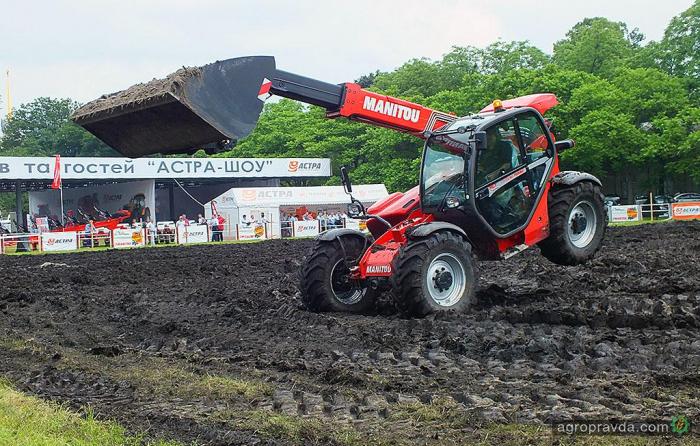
[490, 184]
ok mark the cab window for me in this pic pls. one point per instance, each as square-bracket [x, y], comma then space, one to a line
[534, 137]
[502, 153]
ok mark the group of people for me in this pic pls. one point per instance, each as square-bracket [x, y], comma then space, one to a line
[327, 220]
[215, 223]
[251, 220]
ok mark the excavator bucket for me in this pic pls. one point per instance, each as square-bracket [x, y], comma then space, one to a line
[189, 109]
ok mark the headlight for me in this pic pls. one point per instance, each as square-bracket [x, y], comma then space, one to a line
[452, 202]
[355, 210]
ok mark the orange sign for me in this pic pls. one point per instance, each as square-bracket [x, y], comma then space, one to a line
[686, 211]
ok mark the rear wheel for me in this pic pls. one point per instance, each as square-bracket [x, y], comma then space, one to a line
[434, 274]
[577, 223]
[326, 284]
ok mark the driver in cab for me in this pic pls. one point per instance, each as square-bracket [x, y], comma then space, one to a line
[500, 156]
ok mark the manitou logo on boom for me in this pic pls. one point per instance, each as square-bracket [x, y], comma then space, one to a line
[378, 269]
[390, 109]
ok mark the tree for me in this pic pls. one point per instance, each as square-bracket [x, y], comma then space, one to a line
[679, 50]
[43, 128]
[596, 45]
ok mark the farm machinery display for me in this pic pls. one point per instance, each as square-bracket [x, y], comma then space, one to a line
[490, 184]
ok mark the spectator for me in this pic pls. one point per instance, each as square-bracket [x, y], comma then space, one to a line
[182, 221]
[151, 230]
[201, 220]
[323, 220]
[220, 220]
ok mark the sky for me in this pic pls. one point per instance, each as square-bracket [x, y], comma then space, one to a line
[82, 49]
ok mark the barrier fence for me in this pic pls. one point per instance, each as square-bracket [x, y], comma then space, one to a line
[120, 238]
[658, 211]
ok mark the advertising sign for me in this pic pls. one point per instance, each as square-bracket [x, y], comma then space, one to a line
[251, 232]
[304, 228]
[358, 225]
[78, 168]
[625, 213]
[128, 238]
[59, 241]
[686, 211]
[192, 234]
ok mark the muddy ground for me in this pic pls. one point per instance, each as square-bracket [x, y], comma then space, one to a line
[209, 344]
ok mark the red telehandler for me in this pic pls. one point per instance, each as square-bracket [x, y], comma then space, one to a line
[490, 184]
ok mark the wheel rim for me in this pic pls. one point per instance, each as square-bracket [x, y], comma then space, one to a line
[446, 280]
[345, 290]
[582, 224]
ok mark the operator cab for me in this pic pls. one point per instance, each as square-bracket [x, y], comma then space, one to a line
[486, 173]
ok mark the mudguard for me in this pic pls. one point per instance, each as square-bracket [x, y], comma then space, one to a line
[571, 177]
[425, 229]
[333, 234]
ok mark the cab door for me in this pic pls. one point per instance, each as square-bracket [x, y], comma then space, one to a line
[502, 186]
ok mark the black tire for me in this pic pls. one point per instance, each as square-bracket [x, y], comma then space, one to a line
[317, 276]
[414, 264]
[560, 246]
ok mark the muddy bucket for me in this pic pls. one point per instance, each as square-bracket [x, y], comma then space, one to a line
[189, 109]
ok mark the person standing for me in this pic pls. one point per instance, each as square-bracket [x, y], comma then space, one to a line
[151, 230]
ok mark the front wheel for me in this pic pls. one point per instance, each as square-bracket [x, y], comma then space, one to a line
[577, 223]
[434, 274]
[325, 282]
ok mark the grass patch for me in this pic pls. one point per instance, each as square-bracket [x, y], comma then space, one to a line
[640, 222]
[29, 421]
[297, 429]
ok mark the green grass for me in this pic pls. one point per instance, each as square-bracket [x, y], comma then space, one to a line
[29, 421]
[109, 248]
[641, 222]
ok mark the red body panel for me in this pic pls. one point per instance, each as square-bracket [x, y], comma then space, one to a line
[395, 208]
[377, 262]
[539, 101]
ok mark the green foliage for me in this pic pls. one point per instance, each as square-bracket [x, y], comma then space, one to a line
[595, 45]
[679, 50]
[43, 128]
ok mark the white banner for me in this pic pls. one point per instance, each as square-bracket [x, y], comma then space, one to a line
[59, 241]
[36, 168]
[127, 238]
[251, 232]
[625, 213]
[304, 228]
[192, 234]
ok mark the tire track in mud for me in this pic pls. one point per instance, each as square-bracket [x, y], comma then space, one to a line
[617, 337]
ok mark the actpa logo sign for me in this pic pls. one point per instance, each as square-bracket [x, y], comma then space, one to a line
[307, 227]
[390, 109]
[58, 241]
[682, 211]
[255, 195]
[296, 166]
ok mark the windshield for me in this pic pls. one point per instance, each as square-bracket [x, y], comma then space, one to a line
[443, 168]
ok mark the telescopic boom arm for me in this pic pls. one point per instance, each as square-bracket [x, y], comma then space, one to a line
[351, 101]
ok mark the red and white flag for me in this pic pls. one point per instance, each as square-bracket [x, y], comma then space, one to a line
[57, 174]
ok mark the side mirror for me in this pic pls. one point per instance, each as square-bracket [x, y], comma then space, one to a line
[564, 144]
[345, 179]
[480, 140]
[356, 209]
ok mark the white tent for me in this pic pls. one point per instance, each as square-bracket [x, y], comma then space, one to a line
[237, 202]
